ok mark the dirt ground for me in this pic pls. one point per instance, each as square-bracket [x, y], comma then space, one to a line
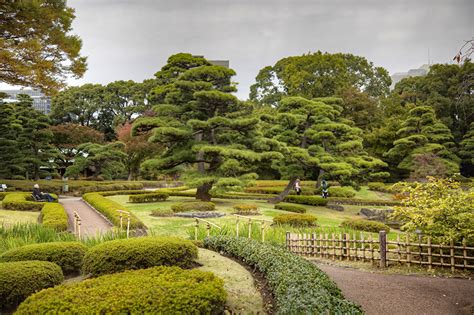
[379, 293]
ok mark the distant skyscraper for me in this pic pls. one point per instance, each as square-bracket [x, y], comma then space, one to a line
[223, 63]
[397, 77]
[41, 102]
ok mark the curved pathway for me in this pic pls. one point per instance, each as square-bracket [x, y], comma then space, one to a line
[380, 293]
[92, 223]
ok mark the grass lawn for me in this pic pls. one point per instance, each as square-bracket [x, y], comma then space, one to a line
[9, 217]
[365, 193]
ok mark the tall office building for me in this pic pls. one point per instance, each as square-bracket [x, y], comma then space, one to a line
[223, 63]
[41, 102]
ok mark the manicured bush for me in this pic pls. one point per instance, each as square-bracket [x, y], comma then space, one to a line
[290, 207]
[20, 279]
[365, 225]
[138, 253]
[363, 202]
[277, 190]
[193, 206]
[110, 187]
[152, 197]
[54, 215]
[67, 255]
[246, 209]
[296, 219]
[307, 200]
[18, 201]
[159, 290]
[2, 195]
[298, 286]
[109, 209]
[162, 213]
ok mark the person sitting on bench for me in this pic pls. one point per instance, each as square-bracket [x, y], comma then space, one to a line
[39, 196]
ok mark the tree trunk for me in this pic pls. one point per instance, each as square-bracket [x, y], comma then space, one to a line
[202, 192]
[200, 155]
[320, 178]
[285, 192]
[130, 175]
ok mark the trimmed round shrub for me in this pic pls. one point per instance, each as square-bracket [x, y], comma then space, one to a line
[294, 219]
[138, 253]
[290, 207]
[67, 255]
[162, 213]
[53, 215]
[365, 225]
[151, 197]
[193, 206]
[159, 290]
[20, 279]
[246, 209]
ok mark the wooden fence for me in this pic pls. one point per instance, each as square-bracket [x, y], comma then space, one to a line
[379, 250]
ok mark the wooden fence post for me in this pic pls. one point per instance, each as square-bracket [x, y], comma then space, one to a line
[196, 227]
[451, 254]
[383, 248]
[128, 225]
[288, 241]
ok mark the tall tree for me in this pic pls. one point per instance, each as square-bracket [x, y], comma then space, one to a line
[317, 140]
[36, 47]
[205, 127]
[423, 133]
[467, 151]
[11, 162]
[318, 75]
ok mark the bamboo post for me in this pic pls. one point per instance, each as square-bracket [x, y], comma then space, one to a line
[451, 254]
[79, 227]
[326, 246]
[333, 246]
[262, 229]
[340, 247]
[208, 228]
[237, 227]
[299, 247]
[75, 223]
[464, 253]
[430, 259]
[128, 225]
[344, 245]
[362, 244]
[407, 246]
[371, 248]
[355, 246]
[288, 241]
[383, 248]
[196, 229]
[313, 245]
[349, 246]
[121, 219]
[303, 244]
[250, 228]
[441, 254]
[399, 254]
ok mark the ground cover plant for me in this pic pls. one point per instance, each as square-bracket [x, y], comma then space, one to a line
[67, 255]
[138, 253]
[158, 290]
[287, 277]
[20, 279]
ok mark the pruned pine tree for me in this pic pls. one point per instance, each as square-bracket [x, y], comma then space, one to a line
[204, 127]
[422, 133]
[467, 151]
[11, 163]
[318, 140]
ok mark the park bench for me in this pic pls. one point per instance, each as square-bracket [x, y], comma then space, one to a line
[35, 198]
[3, 187]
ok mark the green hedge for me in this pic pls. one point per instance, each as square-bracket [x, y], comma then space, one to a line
[3, 194]
[110, 187]
[159, 290]
[151, 197]
[290, 207]
[109, 209]
[296, 219]
[20, 279]
[339, 192]
[365, 225]
[138, 253]
[19, 201]
[67, 255]
[298, 286]
[193, 206]
[54, 215]
[277, 190]
[363, 202]
[246, 209]
[307, 200]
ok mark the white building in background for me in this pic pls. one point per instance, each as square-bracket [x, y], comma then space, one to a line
[41, 102]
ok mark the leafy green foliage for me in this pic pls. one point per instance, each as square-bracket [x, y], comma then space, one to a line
[20, 279]
[67, 255]
[152, 197]
[438, 208]
[53, 215]
[290, 207]
[179, 291]
[365, 225]
[110, 209]
[287, 277]
[294, 219]
[138, 253]
[467, 151]
[193, 206]
[307, 200]
[18, 201]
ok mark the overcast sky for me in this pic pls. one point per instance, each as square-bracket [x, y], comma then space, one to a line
[132, 39]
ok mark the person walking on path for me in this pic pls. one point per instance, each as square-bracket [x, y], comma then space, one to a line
[298, 187]
[325, 188]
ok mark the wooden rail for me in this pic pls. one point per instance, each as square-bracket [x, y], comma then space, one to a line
[249, 221]
[209, 224]
[128, 220]
[77, 225]
[344, 246]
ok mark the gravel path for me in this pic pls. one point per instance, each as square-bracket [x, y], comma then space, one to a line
[92, 223]
[399, 294]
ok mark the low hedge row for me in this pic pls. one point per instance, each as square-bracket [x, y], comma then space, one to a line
[245, 209]
[67, 255]
[159, 290]
[363, 202]
[193, 206]
[365, 225]
[138, 253]
[290, 207]
[151, 197]
[2, 195]
[295, 219]
[20, 279]
[54, 215]
[110, 187]
[19, 201]
[109, 209]
[277, 190]
[340, 192]
[307, 200]
[298, 286]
